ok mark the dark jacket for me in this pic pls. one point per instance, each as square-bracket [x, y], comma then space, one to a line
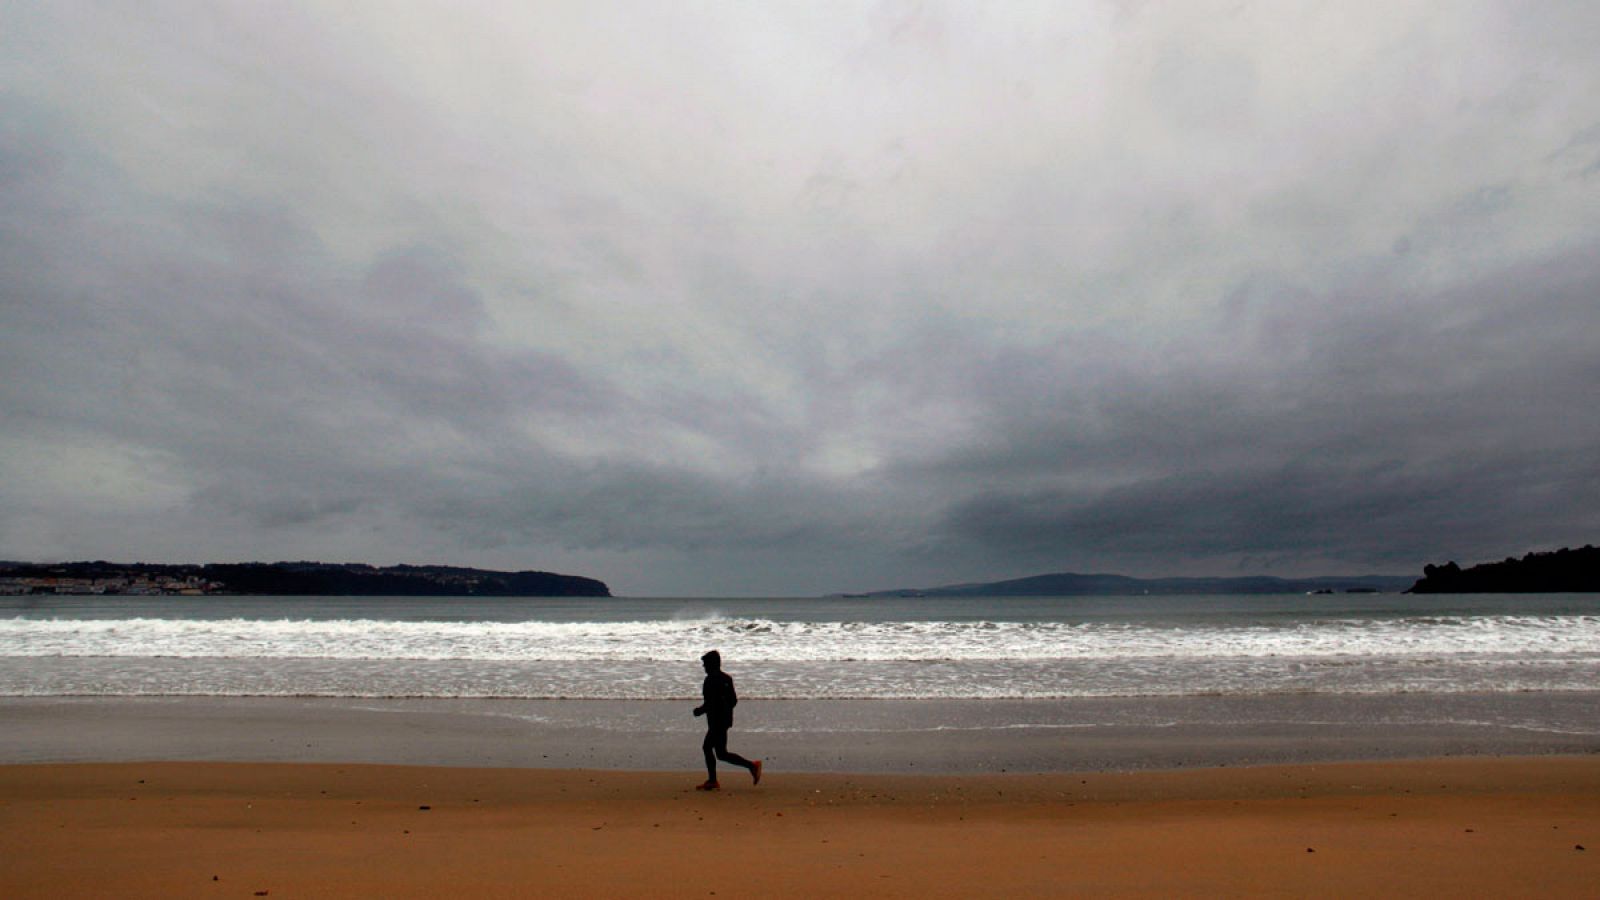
[720, 699]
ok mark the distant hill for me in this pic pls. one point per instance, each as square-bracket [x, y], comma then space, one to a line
[294, 578]
[1072, 584]
[1537, 573]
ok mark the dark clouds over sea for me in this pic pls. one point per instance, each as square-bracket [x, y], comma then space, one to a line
[767, 300]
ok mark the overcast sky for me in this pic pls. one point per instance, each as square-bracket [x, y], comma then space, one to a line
[794, 298]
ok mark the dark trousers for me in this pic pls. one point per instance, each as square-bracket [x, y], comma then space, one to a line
[716, 747]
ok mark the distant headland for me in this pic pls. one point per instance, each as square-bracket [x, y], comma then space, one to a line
[1563, 571]
[289, 578]
[1073, 584]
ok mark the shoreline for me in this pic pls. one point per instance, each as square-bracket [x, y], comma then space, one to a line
[1459, 827]
[861, 736]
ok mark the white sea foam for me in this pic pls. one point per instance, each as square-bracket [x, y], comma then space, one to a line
[769, 641]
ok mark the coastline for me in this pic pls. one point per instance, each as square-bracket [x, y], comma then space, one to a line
[858, 736]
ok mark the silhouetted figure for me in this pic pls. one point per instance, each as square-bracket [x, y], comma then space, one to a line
[720, 700]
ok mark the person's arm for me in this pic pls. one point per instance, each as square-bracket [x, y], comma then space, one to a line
[733, 698]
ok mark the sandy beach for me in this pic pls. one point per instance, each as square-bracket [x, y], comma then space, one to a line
[1488, 827]
[283, 797]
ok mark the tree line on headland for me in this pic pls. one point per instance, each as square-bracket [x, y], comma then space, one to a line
[291, 579]
[1561, 571]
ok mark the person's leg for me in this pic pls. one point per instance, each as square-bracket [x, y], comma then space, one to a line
[736, 759]
[716, 742]
[716, 747]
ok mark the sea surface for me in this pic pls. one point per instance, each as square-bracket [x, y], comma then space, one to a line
[801, 649]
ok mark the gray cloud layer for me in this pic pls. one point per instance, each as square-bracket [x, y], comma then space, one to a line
[800, 299]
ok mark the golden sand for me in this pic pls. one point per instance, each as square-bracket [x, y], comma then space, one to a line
[1485, 827]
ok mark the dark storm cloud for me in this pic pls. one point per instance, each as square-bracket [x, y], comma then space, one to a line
[290, 390]
[1375, 515]
[776, 299]
[1421, 431]
[286, 387]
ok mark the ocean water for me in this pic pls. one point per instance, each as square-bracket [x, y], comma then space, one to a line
[904, 648]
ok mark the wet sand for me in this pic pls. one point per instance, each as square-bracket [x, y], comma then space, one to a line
[1485, 827]
[905, 736]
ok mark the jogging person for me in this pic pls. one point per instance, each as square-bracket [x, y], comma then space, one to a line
[720, 700]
